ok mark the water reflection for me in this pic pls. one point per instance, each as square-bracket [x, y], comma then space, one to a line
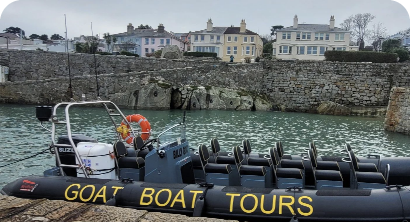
[22, 136]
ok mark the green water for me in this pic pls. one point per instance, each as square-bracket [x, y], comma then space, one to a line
[21, 134]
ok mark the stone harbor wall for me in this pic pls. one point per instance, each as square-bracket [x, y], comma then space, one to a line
[398, 111]
[302, 86]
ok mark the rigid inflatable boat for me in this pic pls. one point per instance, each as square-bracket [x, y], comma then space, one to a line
[165, 174]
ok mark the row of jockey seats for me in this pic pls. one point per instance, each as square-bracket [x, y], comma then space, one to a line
[280, 171]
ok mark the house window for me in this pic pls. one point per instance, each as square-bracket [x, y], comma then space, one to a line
[339, 37]
[284, 49]
[245, 39]
[322, 50]
[312, 50]
[319, 36]
[327, 36]
[202, 38]
[306, 35]
[247, 50]
[196, 39]
[298, 36]
[286, 35]
[161, 41]
[146, 50]
[235, 38]
[152, 41]
[252, 39]
[253, 50]
[235, 50]
[168, 41]
[212, 38]
[146, 41]
[228, 50]
[229, 38]
[301, 50]
[218, 38]
[152, 50]
[340, 48]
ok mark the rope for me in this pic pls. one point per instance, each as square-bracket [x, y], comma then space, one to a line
[25, 158]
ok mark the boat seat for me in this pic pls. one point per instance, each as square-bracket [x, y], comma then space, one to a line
[218, 174]
[327, 165]
[370, 177]
[285, 163]
[285, 177]
[120, 150]
[289, 173]
[220, 159]
[138, 142]
[259, 161]
[131, 162]
[324, 178]
[328, 175]
[251, 176]
[367, 167]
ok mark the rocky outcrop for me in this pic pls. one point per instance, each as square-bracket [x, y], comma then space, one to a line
[171, 52]
[154, 96]
[332, 108]
[398, 112]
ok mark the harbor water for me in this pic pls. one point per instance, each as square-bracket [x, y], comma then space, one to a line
[21, 134]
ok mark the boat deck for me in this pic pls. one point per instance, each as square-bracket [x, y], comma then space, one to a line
[18, 209]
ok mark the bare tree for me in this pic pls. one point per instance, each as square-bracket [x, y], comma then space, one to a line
[377, 35]
[358, 24]
[266, 38]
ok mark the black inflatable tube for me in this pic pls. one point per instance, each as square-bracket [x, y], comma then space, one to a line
[224, 202]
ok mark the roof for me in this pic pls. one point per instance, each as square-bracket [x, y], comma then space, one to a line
[152, 33]
[313, 27]
[216, 30]
[236, 30]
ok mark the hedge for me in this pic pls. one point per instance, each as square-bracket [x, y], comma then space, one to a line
[360, 56]
[200, 54]
[129, 54]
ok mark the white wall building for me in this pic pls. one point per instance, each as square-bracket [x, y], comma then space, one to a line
[210, 39]
[310, 41]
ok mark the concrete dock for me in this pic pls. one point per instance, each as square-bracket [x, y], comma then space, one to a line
[24, 210]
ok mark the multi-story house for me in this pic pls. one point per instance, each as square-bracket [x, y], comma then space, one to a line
[143, 41]
[241, 43]
[403, 37]
[310, 41]
[210, 39]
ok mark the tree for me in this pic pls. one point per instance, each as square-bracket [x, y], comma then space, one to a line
[266, 38]
[44, 37]
[275, 28]
[268, 48]
[14, 30]
[377, 35]
[391, 44]
[109, 39]
[56, 37]
[402, 53]
[358, 25]
[34, 36]
[144, 27]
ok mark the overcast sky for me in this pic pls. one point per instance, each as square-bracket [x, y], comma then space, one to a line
[47, 16]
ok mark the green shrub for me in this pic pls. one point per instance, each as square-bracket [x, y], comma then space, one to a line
[129, 54]
[355, 56]
[200, 54]
[402, 53]
[103, 53]
[158, 53]
[257, 59]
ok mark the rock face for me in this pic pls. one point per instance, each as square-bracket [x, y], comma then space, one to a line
[154, 96]
[171, 52]
[331, 108]
[398, 112]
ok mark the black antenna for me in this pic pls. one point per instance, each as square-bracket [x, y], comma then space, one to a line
[95, 61]
[70, 88]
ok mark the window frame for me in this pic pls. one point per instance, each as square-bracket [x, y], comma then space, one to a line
[299, 50]
[252, 39]
[229, 38]
[228, 50]
[146, 41]
[313, 49]
[245, 39]
[152, 41]
[247, 50]
[235, 50]
[338, 35]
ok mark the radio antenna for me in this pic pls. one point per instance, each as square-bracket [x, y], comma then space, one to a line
[95, 60]
[70, 88]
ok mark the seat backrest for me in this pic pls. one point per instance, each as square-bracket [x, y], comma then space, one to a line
[203, 154]
[138, 142]
[279, 148]
[246, 146]
[353, 158]
[312, 146]
[238, 155]
[274, 156]
[119, 149]
[215, 146]
[348, 147]
[312, 157]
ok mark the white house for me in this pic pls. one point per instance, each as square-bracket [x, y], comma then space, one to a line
[310, 41]
[210, 39]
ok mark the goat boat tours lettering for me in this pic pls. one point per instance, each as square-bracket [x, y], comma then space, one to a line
[166, 198]
[75, 192]
[261, 203]
[179, 152]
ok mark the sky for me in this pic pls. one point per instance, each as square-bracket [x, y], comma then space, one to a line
[47, 16]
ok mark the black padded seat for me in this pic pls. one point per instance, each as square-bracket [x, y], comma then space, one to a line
[259, 161]
[370, 177]
[289, 173]
[328, 175]
[286, 156]
[138, 142]
[119, 149]
[252, 170]
[217, 168]
[225, 160]
[327, 165]
[367, 167]
[131, 162]
[284, 163]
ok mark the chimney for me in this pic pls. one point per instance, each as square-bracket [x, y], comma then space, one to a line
[130, 28]
[332, 22]
[161, 28]
[242, 29]
[209, 25]
[295, 22]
